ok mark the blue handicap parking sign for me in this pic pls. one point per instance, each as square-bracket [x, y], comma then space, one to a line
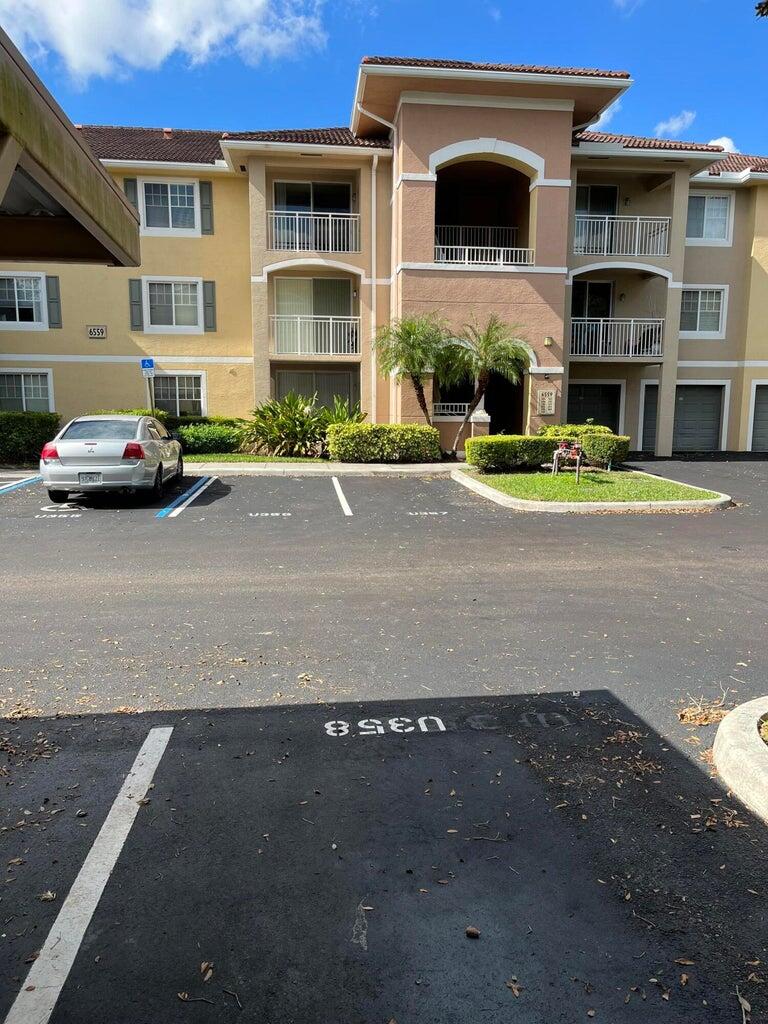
[147, 364]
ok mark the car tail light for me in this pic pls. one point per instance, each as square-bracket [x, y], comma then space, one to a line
[49, 453]
[133, 450]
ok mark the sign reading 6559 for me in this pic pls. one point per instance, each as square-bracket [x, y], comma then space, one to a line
[377, 726]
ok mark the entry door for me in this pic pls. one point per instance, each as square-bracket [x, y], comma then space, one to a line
[650, 408]
[592, 299]
[760, 421]
[598, 402]
[698, 417]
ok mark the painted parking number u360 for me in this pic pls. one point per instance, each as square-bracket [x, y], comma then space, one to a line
[377, 727]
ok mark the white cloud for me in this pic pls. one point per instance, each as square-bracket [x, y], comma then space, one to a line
[676, 124]
[494, 14]
[628, 6]
[110, 38]
[726, 142]
[606, 117]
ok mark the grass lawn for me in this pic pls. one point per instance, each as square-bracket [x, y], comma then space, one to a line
[239, 457]
[596, 485]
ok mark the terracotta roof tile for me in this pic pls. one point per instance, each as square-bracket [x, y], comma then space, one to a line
[467, 65]
[183, 145]
[735, 162]
[642, 142]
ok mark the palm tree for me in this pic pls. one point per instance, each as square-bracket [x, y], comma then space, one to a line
[479, 352]
[409, 348]
[762, 9]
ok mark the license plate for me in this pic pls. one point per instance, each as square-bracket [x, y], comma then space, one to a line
[89, 478]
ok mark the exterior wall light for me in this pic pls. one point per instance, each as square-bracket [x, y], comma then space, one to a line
[549, 342]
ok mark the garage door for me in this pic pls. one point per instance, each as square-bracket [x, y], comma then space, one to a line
[760, 421]
[650, 405]
[598, 402]
[698, 412]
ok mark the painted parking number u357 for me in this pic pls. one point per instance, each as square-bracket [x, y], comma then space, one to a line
[377, 727]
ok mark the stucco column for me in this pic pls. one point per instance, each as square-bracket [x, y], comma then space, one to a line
[665, 416]
[257, 201]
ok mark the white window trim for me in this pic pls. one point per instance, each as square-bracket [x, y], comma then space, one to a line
[150, 328]
[38, 370]
[606, 380]
[755, 384]
[37, 325]
[709, 335]
[725, 409]
[169, 232]
[721, 242]
[189, 373]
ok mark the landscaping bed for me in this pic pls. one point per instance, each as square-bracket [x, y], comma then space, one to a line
[243, 457]
[595, 485]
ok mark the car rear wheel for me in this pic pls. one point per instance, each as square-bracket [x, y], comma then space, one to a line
[180, 469]
[58, 497]
[157, 486]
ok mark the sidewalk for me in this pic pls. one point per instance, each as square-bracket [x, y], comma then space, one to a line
[320, 468]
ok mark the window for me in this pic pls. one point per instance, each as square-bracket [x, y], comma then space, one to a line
[599, 200]
[106, 430]
[710, 220]
[23, 302]
[25, 392]
[170, 208]
[326, 384]
[173, 306]
[313, 197]
[179, 395]
[703, 311]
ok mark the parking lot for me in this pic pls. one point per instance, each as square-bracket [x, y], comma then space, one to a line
[361, 723]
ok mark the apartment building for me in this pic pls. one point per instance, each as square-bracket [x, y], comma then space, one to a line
[635, 269]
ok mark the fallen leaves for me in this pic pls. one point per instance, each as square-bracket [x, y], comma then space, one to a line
[514, 986]
[472, 932]
[206, 969]
[47, 897]
[703, 711]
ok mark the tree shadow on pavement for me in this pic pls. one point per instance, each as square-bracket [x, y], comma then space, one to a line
[329, 859]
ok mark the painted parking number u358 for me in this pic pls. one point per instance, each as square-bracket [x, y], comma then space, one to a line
[377, 727]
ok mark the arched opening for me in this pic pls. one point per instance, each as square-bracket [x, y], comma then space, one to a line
[483, 214]
[617, 312]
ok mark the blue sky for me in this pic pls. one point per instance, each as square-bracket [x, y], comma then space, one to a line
[699, 65]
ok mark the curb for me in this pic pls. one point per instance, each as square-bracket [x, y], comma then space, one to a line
[525, 505]
[741, 756]
[325, 469]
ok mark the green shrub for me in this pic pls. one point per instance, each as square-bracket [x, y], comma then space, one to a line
[174, 422]
[602, 449]
[205, 438]
[290, 426]
[159, 414]
[383, 442]
[570, 431]
[23, 434]
[509, 451]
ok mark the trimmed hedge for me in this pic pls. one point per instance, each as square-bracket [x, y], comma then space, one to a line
[207, 438]
[383, 442]
[159, 414]
[509, 451]
[602, 449]
[23, 434]
[174, 422]
[570, 431]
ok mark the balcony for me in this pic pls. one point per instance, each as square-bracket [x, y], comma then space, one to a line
[313, 232]
[614, 338]
[480, 245]
[316, 335]
[450, 409]
[598, 235]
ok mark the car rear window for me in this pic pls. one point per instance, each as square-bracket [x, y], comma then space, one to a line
[89, 430]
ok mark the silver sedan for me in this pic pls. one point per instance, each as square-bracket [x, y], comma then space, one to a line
[109, 453]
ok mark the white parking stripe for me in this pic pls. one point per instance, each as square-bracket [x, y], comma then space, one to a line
[196, 494]
[340, 495]
[46, 978]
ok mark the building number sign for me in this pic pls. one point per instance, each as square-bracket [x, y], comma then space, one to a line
[546, 402]
[98, 331]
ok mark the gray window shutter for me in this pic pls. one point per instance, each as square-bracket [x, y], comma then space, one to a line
[209, 305]
[206, 208]
[53, 295]
[137, 312]
[131, 190]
